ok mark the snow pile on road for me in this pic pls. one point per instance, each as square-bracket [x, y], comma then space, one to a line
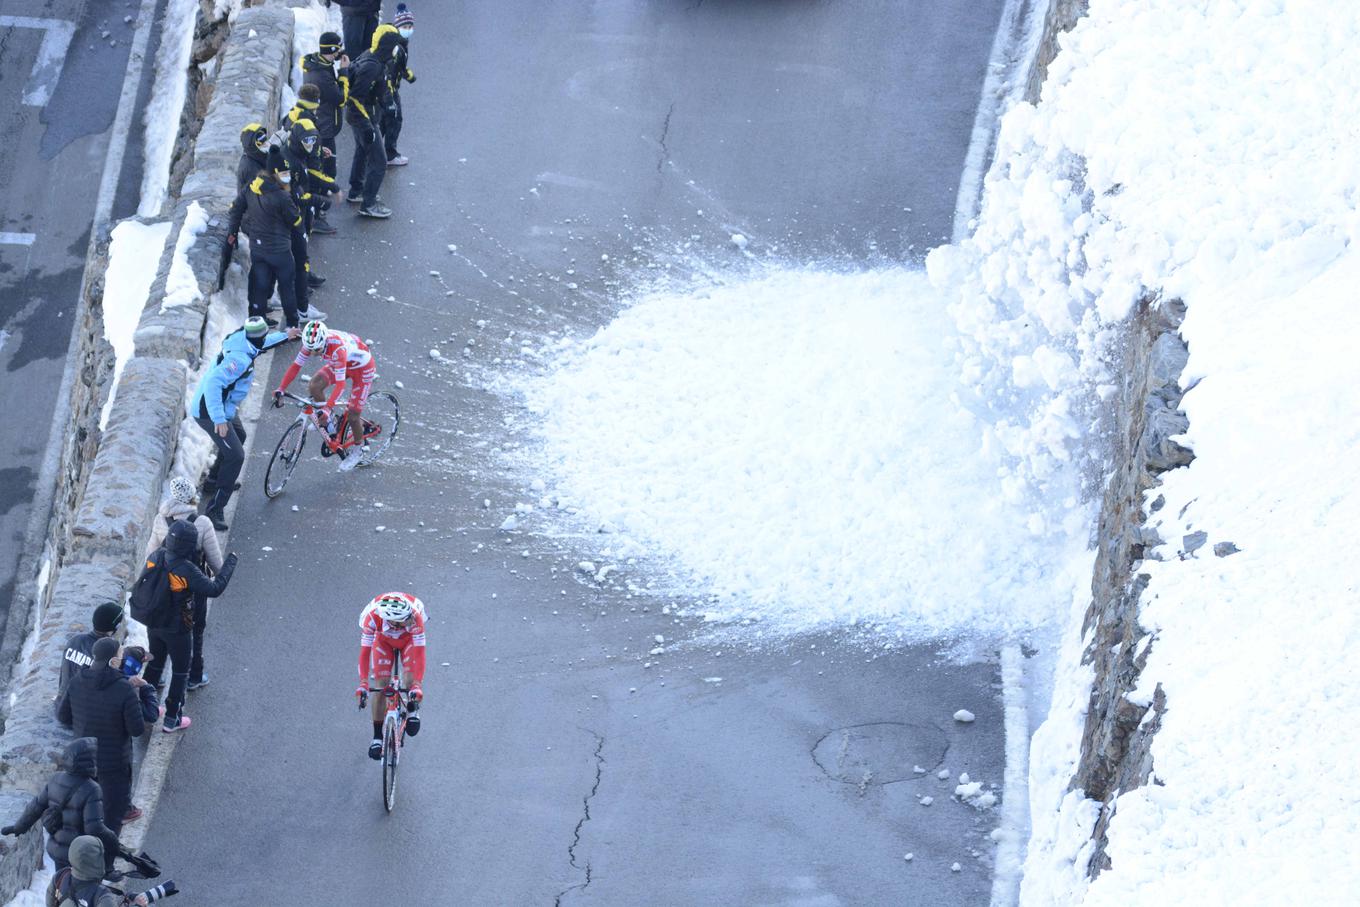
[134, 254]
[1183, 148]
[791, 440]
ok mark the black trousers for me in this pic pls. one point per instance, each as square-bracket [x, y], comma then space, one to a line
[302, 264]
[391, 125]
[171, 644]
[268, 270]
[330, 167]
[231, 456]
[370, 164]
[358, 29]
[200, 626]
[117, 788]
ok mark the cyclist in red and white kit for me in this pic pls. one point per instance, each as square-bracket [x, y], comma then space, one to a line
[343, 357]
[392, 624]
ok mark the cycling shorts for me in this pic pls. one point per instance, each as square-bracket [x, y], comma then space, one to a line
[384, 655]
[361, 382]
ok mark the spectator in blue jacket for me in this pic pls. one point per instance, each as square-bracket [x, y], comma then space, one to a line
[224, 385]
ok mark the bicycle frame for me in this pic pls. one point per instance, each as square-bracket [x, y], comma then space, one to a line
[313, 423]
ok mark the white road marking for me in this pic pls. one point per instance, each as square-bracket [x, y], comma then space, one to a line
[1014, 828]
[51, 55]
[16, 239]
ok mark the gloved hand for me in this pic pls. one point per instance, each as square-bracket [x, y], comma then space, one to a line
[370, 135]
[361, 693]
[410, 77]
[416, 695]
[8, 830]
[278, 398]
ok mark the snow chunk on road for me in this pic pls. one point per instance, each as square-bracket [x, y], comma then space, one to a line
[963, 716]
[743, 428]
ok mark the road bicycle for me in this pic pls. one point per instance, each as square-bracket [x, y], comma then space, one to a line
[381, 419]
[400, 707]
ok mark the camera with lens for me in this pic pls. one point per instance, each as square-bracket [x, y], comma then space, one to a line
[152, 895]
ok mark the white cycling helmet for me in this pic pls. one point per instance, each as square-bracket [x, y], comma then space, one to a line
[182, 490]
[395, 607]
[314, 335]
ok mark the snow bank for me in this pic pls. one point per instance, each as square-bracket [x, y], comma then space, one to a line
[134, 254]
[181, 286]
[1182, 148]
[308, 24]
[792, 442]
[162, 115]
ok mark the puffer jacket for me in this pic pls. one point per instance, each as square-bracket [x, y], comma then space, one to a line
[253, 160]
[172, 510]
[226, 383]
[186, 579]
[85, 884]
[265, 210]
[334, 87]
[83, 813]
[101, 703]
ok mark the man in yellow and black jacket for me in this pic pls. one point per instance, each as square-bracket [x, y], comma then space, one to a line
[265, 210]
[368, 96]
[328, 70]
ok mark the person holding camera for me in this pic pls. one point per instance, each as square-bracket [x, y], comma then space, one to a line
[102, 702]
[82, 884]
[71, 804]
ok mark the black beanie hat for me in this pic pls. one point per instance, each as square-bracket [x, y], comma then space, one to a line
[107, 617]
[330, 43]
[105, 650]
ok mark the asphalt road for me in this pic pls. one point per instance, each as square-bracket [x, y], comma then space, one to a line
[555, 767]
[60, 80]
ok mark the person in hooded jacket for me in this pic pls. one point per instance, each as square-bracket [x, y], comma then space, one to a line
[172, 639]
[398, 71]
[182, 504]
[328, 70]
[311, 189]
[80, 800]
[367, 99]
[254, 154]
[104, 704]
[105, 621]
[84, 884]
[221, 390]
[265, 210]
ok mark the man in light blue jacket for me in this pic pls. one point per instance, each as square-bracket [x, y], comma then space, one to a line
[224, 385]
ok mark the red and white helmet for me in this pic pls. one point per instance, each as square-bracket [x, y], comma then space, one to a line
[314, 334]
[395, 607]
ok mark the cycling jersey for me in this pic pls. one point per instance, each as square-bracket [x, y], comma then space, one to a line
[380, 642]
[344, 357]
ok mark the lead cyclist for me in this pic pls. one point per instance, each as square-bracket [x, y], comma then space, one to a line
[392, 624]
[343, 357]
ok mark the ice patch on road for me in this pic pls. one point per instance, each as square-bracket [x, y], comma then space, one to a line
[791, 442]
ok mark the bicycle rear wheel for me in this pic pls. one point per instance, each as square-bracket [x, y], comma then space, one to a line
[389, 762]
[286, 455]
[382, 410]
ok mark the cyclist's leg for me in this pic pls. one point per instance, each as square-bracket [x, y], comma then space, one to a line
[408, 673]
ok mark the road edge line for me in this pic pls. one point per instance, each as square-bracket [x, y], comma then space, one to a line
[1014, 827]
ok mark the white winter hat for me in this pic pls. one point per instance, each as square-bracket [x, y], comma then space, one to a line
[182, 490]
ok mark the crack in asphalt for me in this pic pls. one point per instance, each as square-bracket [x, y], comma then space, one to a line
[665, 130]
[585, 817]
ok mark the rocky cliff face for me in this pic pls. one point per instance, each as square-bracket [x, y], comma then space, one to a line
[1115, 751]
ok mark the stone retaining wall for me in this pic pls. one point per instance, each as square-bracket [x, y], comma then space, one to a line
[110, 486]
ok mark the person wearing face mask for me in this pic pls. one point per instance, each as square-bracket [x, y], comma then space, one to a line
[254, 154]
[364, 113]
[398, 71]
[265, 210]
[221, 390]
[328, 70]
[310, 188]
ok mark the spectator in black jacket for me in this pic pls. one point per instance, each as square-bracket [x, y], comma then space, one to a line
[106, 620]
[104, 704]
[320, 69]
[265, 210]
[173, 640]
[358, 20]
[77, 795]
[398, 71]
[254, 154]
[311, 188]
[367, 97]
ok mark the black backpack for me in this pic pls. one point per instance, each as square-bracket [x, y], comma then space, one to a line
[150, 600]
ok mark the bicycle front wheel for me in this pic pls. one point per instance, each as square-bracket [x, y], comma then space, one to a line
[389, 763]
[384, 413]
[286, 455]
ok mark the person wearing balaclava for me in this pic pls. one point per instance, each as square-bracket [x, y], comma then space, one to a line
[265, 210]
[221, 390]
[254, 154]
